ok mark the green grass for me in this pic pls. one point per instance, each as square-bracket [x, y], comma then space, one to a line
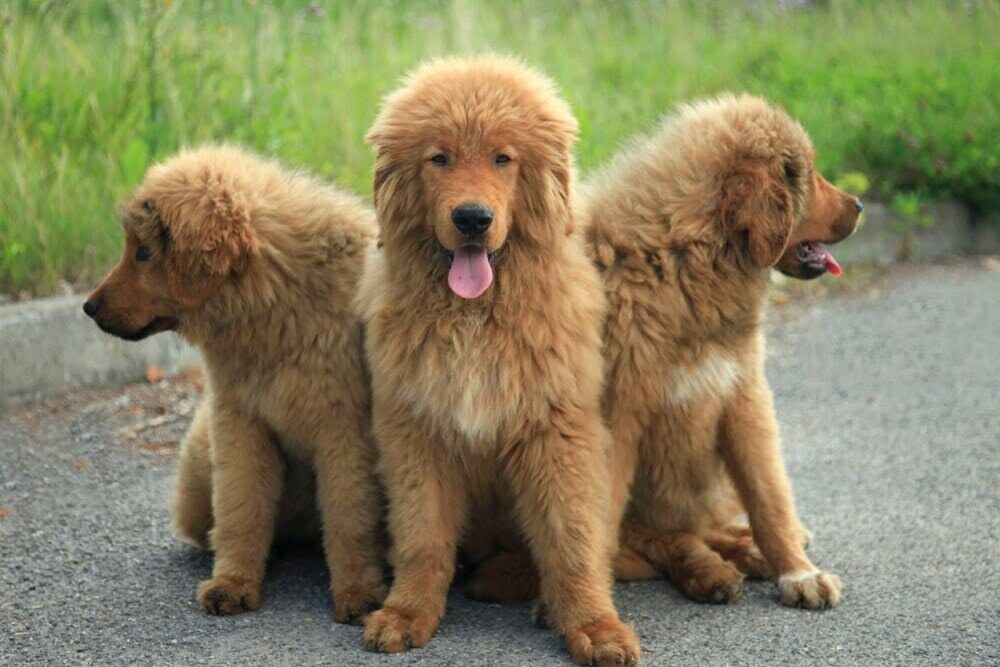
[92, 90]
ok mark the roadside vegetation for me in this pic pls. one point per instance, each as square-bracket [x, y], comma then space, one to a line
[901, 98]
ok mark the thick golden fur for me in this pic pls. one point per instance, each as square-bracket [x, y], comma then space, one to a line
[492, 400]
[258, 267]
[684, 227]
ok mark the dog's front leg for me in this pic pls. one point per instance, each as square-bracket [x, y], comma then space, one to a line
[752, 451]
[557, 471]
[350, 508]
[247, 476]
[427, 508]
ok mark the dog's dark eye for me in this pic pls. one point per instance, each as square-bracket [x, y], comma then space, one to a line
[147, 206]
[440, 159]
[502, 159]
[791, 171]
[142, 254]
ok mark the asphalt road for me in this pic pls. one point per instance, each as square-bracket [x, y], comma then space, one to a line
[889, 409]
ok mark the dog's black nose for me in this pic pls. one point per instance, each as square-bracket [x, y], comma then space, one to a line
[857, 203]
[91, 308]
[472, 219]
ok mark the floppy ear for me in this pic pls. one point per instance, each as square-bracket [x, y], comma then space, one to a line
[757, 204]
[383, 170]
[209, 239]
[392, 199]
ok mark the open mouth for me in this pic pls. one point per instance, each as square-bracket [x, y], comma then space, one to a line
[471, 271]
[491, 256]
[817, 259]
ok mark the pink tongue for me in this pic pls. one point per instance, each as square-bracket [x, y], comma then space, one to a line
[471, 273]
[831, 263]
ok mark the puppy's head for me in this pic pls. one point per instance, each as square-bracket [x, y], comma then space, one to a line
[778, 204]
[831, 215]
[186, 231]
[472, 154]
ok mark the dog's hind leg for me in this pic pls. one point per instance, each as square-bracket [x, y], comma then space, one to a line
[739, 548]
[698, 571]
[191, 502]
[630, 565]
[507, 577]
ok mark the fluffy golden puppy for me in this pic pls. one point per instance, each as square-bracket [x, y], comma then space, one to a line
[258, 267]
[684, 227]
[483, 317]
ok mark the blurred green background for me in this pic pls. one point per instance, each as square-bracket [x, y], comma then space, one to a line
[899, 97]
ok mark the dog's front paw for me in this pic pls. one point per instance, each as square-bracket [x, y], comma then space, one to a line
[353, 605]
[811, 589]
[604, 642]
[224, 595]
[394, 630]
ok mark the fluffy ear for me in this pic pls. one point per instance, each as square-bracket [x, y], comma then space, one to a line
[758, 205]
[210, 238]
[545, 191]
[383, 170]
[392, 199]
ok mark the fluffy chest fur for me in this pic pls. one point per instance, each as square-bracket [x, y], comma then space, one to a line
[480, 370]
[712, 375]
[444, 371]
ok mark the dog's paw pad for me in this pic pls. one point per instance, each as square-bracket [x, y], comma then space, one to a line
[224, 595]
[727, 594]
[809, 589]
[606, 642]
[393, 630]
[721, 584]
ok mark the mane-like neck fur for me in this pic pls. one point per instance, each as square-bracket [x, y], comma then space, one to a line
[296, 289]
[652, 222]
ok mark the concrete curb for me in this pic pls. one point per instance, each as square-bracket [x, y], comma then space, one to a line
[885, 237]
[48, 347]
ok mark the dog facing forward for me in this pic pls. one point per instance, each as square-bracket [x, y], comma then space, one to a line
[483, 317]
[258, 267]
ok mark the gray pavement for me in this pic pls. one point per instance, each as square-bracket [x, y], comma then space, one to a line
[889, 409]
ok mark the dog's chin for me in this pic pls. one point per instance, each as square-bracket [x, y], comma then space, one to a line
[801, 270]
[157, 325]
[808, 260]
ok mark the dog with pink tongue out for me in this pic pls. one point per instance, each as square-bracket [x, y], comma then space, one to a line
[685, 227]
[471, 271]
[483, 317]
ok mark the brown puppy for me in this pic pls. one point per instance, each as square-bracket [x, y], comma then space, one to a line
[258, 267]
[483, 319]
[684, 227]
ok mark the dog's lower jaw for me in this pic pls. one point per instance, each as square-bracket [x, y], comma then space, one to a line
[155, 326]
